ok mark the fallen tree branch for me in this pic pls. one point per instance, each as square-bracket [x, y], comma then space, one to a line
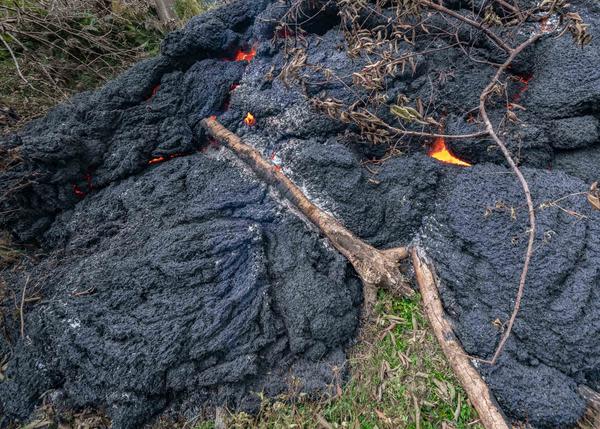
[376, 268]
[477, 390]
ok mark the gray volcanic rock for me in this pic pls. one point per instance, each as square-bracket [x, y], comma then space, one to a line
[189, 284]
[478, 238]
[575, 133]
[195, 282]
[581, 163]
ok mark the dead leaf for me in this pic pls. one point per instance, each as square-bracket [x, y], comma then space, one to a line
[323, 423]
[594, 196]
[512, 117]
[497, 323]
[381, 415]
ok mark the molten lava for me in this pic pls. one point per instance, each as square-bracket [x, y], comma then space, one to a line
[524, 81]
[250, 120]
[245, 56]
[441, 152]
[154, 92]
[78, 192]
[159, 159]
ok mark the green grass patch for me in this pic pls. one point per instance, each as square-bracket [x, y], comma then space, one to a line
[399, 379]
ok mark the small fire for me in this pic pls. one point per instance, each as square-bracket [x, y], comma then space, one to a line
[250, 120]
[245, 56]
[441, 152]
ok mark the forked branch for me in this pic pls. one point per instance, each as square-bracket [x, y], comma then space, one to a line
[376, 268]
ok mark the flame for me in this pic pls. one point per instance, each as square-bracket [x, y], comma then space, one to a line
[250, 120]
[245, 56]
[441, 152]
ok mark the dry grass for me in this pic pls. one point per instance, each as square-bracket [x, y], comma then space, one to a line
[46, 417]
[591, 418]
[8, 252]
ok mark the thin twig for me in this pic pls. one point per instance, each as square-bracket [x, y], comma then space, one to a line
[14, 58]
[531, 209]
[21, 312]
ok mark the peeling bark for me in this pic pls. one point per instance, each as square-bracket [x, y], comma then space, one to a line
[165, 10]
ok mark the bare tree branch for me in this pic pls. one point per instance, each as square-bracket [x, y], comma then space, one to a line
[376, 268]
[531, 209]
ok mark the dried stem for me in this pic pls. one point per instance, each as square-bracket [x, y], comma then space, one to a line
[21, 311]
[531, 209]
[14, 58]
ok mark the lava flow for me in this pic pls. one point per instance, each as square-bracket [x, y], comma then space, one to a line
[524, 81]
[245, 56]
[441, 152]
[250, 120]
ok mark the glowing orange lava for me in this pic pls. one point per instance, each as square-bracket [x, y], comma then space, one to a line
[441, 152]
[250, 120]
[157, 160]
[160, 159]
[524, 81]
[245, 56]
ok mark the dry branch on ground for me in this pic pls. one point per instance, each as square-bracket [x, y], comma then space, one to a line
[376, 268]
[386, 59]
